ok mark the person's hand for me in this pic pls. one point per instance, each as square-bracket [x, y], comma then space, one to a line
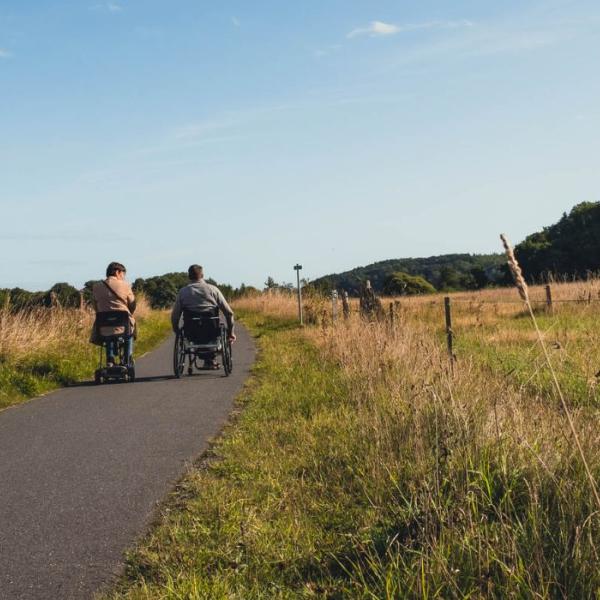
[232, 337]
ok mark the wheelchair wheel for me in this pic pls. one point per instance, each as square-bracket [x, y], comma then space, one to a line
[97, 378]
[131, 371]
[227, 360]
[178, 356]
[229, 357]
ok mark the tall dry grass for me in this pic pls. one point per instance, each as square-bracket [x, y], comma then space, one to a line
[481, 489]
[278, 304]
[43, 348]
[41, 330]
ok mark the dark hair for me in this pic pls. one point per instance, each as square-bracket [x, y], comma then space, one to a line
[195, 272]
[113, 267]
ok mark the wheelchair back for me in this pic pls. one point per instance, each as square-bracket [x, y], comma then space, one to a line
[201, 326]
[117, 320]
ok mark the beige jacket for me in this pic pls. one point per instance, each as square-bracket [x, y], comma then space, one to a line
[121, 298]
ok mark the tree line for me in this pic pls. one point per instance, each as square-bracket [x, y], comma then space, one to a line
[569, 248]
[160, 292]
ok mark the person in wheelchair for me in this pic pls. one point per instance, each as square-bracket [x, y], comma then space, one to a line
[202, 297]
[110, 295]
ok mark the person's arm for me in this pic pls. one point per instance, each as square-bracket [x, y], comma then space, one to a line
[176, 314]
[131, 303]
[227, 311]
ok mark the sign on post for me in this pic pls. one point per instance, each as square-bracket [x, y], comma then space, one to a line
[298, 268]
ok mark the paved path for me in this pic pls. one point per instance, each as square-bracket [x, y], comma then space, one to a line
[81, 470]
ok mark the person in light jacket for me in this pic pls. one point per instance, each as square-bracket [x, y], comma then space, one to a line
[114, 293]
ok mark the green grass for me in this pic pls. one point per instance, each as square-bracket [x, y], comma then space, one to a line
[571, 338]
[301, 499]
[40, 372]
[269, 517]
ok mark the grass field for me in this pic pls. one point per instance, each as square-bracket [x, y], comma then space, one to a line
[363, 467]
[43, 349]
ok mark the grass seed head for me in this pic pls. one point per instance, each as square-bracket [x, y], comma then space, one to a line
[515, 269]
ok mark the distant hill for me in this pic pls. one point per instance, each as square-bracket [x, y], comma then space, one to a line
[569, 248]
[448, 271]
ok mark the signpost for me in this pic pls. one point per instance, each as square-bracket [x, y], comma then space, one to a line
[298, 268]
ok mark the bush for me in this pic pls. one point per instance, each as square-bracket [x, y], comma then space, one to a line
[407, 285]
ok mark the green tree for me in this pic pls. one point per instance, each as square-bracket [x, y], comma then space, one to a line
[569, 247]
[450, 278]
[270, 283]
[400, 283]
[66, 294]
[479, 277]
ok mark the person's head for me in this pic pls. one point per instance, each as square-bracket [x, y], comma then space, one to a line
[195, 273]
[116, 269]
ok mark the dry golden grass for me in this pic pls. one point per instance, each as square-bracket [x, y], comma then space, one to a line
[495, 418]
[282, 305]
[43, 348]
[42, 330]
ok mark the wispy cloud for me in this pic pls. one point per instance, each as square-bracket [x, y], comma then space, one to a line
[381, 29]
[376, 28]
[485, 41]
[62, 236]
[199, 130]
[111, 7]
[5, 53]
[331, 49]
[229, 120]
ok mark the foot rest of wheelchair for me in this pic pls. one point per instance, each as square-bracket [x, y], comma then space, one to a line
[208, 347]
[116, 370]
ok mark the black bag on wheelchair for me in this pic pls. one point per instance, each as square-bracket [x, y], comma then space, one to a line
[201, 326]
[115, 319]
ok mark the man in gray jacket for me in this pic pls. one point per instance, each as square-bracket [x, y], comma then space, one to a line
[199, 295]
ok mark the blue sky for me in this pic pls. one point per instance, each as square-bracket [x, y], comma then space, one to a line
[248, 136]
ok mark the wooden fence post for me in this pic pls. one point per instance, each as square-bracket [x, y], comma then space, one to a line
[334, 307]
[549, 305]
[345, 305]
[449, 332]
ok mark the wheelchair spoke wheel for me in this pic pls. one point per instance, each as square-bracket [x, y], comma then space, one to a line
[227, 360]
[178, 356]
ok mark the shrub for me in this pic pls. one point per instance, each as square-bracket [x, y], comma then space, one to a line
[407, 285]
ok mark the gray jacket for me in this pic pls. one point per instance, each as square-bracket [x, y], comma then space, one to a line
[200, 295]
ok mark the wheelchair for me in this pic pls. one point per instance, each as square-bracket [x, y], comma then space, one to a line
[124, 370]
[202, 336]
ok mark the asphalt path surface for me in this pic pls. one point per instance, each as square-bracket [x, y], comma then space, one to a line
[83, 469]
